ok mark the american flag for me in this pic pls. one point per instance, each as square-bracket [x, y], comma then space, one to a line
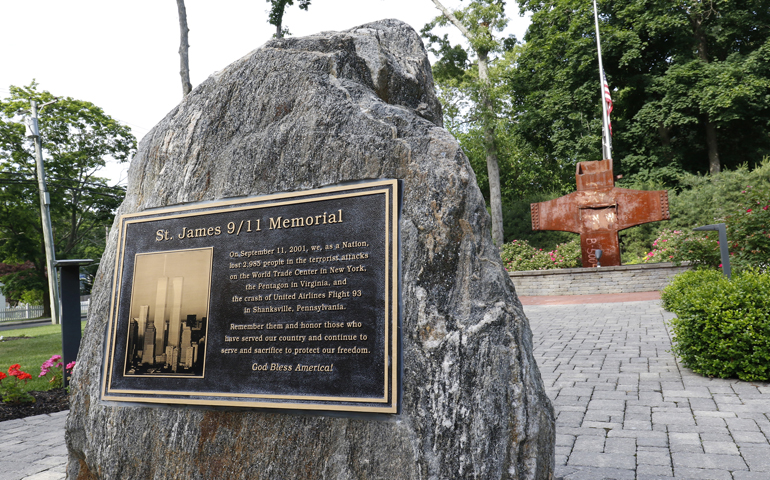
[608, 100]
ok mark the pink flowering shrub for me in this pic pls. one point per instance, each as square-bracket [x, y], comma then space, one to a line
[748, 237]
[676, 246]
[519, 255]
[53, 366]
[664, 247]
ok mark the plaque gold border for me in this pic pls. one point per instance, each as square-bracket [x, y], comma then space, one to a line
[391, 393]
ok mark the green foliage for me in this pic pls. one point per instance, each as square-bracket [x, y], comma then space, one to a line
[517, 220]
[674, 68]
[555, 88]
[18, 280]
[704, 200]
[722, 327]
[481, 19]
[701, 249]
[749, 229]
[277, 10]
[468, 82]
[32, 297]
[35, 347]
[12, 386]
[519, 255]
[77, 138]
[523, 171]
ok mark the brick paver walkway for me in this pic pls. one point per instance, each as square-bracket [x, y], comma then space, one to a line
[33, 448]
[627, 410]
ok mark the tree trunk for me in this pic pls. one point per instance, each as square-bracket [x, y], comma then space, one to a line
[711, 132]
[711, 141]
[665, 138]
[493, 168]
[184, 61]
[277, 9]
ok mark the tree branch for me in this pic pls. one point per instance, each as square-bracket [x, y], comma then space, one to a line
[184, 46]
[451, 17]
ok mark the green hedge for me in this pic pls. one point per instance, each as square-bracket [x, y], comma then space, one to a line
[723, 326]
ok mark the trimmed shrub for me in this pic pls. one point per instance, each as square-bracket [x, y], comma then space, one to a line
[722, 327]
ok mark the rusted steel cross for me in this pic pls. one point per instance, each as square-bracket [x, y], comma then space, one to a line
[598, 211]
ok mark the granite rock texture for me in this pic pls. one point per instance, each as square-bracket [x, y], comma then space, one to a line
[302, 113]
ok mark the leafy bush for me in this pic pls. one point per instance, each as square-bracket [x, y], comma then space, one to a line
[703, 200]
[32, 297]
[53, 366]
[699, 248]
[722, 327]
[748, 230]
[519, 255]
[11, 389]
[17, 280]
[517, 224]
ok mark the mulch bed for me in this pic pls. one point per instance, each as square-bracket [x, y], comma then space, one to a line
[51, 401]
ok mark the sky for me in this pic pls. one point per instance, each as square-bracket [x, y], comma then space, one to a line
[123, 55]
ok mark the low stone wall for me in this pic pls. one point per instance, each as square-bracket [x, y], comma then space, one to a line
[586, 281]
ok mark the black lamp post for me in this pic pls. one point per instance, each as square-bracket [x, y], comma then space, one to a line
[720, 227]
[70, 310]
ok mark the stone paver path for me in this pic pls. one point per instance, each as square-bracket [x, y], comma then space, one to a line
[626, 409]
[33, 448]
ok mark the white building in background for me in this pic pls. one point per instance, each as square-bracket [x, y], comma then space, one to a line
[3, 303]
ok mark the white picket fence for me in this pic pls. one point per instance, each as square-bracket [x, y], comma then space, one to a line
[14, 314]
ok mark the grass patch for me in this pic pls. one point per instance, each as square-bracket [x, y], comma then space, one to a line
[31, 352]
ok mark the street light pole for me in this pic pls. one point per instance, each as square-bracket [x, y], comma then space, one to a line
[45, 214]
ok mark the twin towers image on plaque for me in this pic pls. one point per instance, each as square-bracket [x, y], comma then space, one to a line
[175, 287]
[287, 301]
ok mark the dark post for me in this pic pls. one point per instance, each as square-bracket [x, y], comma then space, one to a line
[720, 227]
[70, 310]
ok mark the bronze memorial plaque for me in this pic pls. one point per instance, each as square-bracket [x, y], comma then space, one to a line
[282, 301]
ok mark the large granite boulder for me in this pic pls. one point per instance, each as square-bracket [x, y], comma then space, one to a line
[302, 113]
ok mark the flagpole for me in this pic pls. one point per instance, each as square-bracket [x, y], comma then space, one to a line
[606, 138]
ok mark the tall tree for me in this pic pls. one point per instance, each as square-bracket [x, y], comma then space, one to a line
[77, 138]
[690, 79]
[277, 10]
[477, 23]
[523, 171]
[184, 47]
